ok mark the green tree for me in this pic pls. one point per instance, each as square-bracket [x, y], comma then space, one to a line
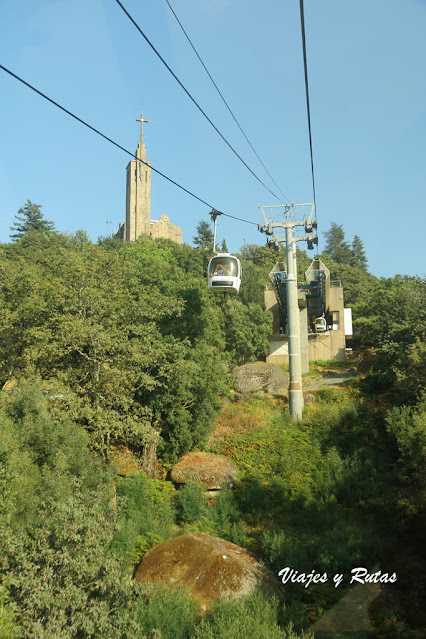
[336, 246]
[247, 328]
[357, 283]
[390, 323]
[257, 263]
[130, 337]
[71, 316]
[56, 520]
[205, 235]
[359, 258]
[253, 282]
[30, 218]
[261, 256]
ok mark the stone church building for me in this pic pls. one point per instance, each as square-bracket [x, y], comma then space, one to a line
[138, 203]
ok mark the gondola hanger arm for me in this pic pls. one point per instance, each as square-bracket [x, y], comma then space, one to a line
[213, 214]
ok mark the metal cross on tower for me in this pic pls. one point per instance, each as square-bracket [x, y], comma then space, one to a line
[142, 120]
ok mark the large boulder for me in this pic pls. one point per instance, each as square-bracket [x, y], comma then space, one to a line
[209, 470]
[261, 376]
[210, 567]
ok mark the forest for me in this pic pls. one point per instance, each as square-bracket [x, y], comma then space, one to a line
[109, 345]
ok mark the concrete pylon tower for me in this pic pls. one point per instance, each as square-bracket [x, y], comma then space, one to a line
[138, 193]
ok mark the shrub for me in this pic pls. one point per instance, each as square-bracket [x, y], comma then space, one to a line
[142, 544]
[61, 581]
[191, 504]
[253, 498]
[167, 613]
[249, 618]
[146, 513]
[9, 620]
[227, 518]
[407, 427]
[282, 549]
[42, 458]
[330, 394]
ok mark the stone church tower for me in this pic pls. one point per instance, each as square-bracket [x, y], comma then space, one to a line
[138, 202]
[138, 193]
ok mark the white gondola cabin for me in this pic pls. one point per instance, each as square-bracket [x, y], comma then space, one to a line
[320, 325]
[224, 273]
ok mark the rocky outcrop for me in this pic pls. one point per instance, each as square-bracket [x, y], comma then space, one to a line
[261, 376]
[209, 470]
[210, 567]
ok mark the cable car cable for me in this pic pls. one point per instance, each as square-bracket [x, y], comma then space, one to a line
[223, 99]
[240, 219]
[92, 128]
[193, 99]
[105, 137]
[305, 65]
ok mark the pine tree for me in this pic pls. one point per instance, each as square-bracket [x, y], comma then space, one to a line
[205, 235]
[30, 218]
[224, 248]
[336, 246]
[359, 258]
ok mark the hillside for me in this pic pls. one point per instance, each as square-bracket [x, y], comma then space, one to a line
[115, 350]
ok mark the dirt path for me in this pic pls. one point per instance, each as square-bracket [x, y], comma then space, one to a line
[334, 379]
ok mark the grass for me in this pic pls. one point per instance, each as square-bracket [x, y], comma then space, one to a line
[321, 364]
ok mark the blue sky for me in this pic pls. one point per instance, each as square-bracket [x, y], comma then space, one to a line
[366, 63]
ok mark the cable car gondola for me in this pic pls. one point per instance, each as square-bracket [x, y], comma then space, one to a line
[320, 325]
[224, 273]
[224, 269]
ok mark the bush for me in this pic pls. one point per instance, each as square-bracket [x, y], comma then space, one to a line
[282, 549]
[407, 427]
[167, 614]
[146, 514]
[253, 617]
[191, 504]
[43, 458]
[9, 620]
[330, 394]
[253, 498]
[227, 518]
[61, 581]
[56, 519]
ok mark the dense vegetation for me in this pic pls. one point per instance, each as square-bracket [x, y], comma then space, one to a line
[111, 344]
[126, 333]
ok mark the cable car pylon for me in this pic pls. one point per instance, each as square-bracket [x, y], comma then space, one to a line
[292, 217]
